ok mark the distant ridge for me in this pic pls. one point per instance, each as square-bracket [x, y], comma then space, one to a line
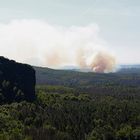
[73, 76]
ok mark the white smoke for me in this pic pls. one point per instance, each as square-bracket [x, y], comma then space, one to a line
[40, 43]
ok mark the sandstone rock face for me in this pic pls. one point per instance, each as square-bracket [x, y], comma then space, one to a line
[17, 81]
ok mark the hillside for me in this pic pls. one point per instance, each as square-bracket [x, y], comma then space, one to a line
[52, 76]
[124, 82]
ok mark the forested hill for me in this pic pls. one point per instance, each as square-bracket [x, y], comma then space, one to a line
[52, 76]
[125, 81]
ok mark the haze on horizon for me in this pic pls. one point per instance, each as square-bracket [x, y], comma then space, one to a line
[54, 33]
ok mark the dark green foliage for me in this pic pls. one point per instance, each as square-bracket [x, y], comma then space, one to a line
[70, 117]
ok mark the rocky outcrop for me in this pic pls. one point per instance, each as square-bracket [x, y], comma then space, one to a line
[17, 81]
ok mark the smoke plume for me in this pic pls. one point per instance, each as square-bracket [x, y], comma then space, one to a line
[103, 62]
[39, 43]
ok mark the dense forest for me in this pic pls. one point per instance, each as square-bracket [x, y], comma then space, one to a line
[71, 105]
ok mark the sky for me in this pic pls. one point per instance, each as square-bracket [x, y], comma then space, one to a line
[111, 25]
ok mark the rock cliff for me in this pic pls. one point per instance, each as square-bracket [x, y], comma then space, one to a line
[17, 81]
